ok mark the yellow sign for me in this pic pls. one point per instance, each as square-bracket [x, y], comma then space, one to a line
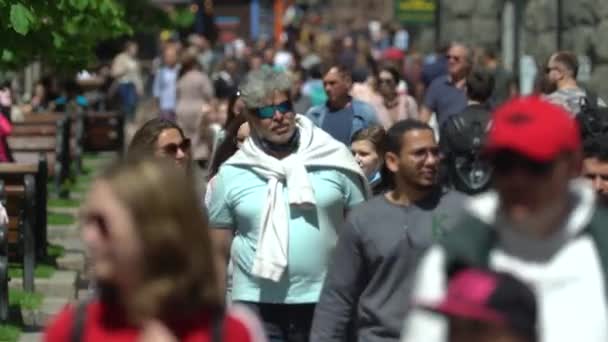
[415, 11]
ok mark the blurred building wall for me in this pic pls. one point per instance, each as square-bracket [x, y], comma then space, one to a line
[582, 27]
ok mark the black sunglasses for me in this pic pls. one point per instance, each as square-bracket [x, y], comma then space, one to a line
[455, 58]
[171, 149]
[385, 81]
[505, 163]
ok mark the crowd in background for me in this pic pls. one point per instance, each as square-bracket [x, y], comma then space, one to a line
[347, 188]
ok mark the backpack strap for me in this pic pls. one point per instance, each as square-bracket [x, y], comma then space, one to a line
[217, 326]
[80, 318]
[469, 243]
[590, 98]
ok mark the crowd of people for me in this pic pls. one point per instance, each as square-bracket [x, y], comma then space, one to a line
[365, 195]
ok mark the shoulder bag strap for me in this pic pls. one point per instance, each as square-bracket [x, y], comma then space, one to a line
[80, 317]
[217, 327]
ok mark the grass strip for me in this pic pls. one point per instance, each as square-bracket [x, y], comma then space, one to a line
[55, 251]
[43, 271]
[26, 300]
[60, 219]
[63, 202]
[9, 333]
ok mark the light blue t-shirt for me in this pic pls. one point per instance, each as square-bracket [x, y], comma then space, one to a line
[237, 201]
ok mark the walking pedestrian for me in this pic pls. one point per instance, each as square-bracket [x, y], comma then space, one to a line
[372, 269]
[541, 224]
[281, 196]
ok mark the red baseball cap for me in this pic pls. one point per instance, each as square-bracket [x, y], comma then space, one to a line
[534, 128]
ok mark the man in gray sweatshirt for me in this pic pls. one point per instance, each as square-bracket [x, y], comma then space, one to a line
[369, 279]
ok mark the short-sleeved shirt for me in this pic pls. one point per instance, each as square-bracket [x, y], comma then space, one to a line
[570, 99]
[361, 114]
[237, 202]
[445, 99]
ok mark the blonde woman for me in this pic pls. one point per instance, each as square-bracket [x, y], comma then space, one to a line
[152, 260]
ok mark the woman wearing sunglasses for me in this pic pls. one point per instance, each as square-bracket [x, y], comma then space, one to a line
[161, 138]
[152, 258]
[394, 107]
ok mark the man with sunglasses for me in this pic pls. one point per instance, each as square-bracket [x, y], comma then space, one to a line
[341, 116]
[562, 71]
[446, 95]
[541, 224]
[277, 205]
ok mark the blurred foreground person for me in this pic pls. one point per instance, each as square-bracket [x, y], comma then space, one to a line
[153, 262]
[161, 138]
[485, 306]
[541, 225]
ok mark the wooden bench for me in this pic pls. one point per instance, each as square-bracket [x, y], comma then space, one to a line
[19, 188]
[51, 134]
[26, 199]
[104, 131]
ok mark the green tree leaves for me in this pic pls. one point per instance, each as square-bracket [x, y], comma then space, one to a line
[63, 33]
[21, 18]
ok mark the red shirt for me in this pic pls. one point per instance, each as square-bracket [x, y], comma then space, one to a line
[104, 325]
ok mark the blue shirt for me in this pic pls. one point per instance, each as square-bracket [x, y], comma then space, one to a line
[165, 88]
[237, 202]
[445, 99]
[359, 113]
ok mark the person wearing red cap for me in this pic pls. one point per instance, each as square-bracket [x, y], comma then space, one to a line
[486, 306]
[540, 224]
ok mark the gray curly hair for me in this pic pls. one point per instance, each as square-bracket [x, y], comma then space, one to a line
[260, 84]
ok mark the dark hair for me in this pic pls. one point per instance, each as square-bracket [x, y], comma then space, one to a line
[480, 84]
[144, 140]
[394, 144]
[374, 134]
[596, 147]
[314, 72]
[569, 60]
[230, 114]
[491, 52]
[392, 70]
[228, 146]
[188, 62]
[342, 70]
[469, 58]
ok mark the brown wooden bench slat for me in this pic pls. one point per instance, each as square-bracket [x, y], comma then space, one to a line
[13, 222]
[29, 157]
[13, 236]
[18, 168]
[32, 141]
[42, 118]
[19, 130]
[14, 189]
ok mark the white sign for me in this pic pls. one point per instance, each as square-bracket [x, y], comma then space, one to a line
[584, 69]
[527, 74]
